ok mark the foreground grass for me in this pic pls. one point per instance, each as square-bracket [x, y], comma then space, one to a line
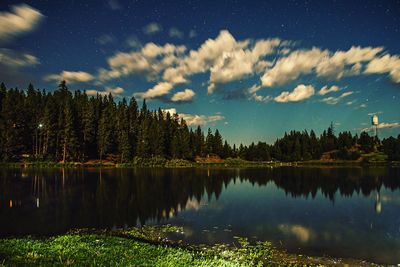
[106, 250]
[147, 246]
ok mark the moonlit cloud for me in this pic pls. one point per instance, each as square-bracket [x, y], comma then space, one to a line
[226, 58]
[12, 59]
[70, 77]
[325, 90]
[386, 64]
[158, 90]
[13, 65]
[192, 33]
[133, 42]
[192, 119]
[150, 60]
[300, 93]
[176, 33]
[105, 39]
[114, 4]
[260, 98]
[274, 61]
[201, 119]
[334, 66]
[184, 96]
[152, 28]
[22, 19]
[113, 91]
[323, 63]
[383, 125]
[334, 100]
[291, 67]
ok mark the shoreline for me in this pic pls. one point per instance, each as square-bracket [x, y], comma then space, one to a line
[150, 245]
[192, 164]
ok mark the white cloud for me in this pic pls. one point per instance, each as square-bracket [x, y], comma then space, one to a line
[362, 106]
[234, 65]
[334, 66]
[70, 77]
[176, 33]
[105, 39]
[133, 41]
[383, 125]
[291, 67]
[192, 33]
[114, 4]
[22, 19]
[184, 96]
[110, 90]
[115, 90]
[200, 119]
[150, 60]
[262, 65]
[300, 93]
[334, 100]
[386, 64]
[12, 59]
[175, 75]
[254, 89]
[226, 58]
[152, 28]
[158, 90]
[325, 90]
[260, 98]
[231, 66]
[323, 63]
[192, 119]
[170, 110]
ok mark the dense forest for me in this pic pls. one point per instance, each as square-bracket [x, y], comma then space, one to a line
[71, 126]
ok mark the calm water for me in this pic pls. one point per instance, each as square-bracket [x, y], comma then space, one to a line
[343, 212]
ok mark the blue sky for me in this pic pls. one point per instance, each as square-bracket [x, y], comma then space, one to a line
[252, 69]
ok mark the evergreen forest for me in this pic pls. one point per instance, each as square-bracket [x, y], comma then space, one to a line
[73, 127]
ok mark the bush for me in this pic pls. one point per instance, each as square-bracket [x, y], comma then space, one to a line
[149, 162]
[178, 163]
[347, 154]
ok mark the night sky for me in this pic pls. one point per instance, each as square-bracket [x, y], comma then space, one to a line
[252, 69]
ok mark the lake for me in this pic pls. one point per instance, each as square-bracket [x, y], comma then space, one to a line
[335, 211]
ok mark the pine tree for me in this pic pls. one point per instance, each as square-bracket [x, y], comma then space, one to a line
[3, 92]
[88, 128]
[209, 142]
[105, 133]
[133, 124]
[217, 145]
[124, 148]
[69, 139]
[199, 145]
[143, 132]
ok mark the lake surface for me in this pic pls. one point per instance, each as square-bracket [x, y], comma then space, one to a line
[340, 212]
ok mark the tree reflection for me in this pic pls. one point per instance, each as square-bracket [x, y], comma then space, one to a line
[50, 201]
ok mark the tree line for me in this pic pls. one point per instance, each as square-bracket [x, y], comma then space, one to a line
[72, 126]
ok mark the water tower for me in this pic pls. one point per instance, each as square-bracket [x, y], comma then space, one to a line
[374, 123]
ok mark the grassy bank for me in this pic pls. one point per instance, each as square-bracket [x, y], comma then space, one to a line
[146, 246]
[371, 159]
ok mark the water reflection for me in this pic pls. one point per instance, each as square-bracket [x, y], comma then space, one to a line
[43, 201]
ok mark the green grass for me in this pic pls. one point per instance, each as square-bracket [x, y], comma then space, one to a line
[107, 250]
[374, 157]
[147, 246]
